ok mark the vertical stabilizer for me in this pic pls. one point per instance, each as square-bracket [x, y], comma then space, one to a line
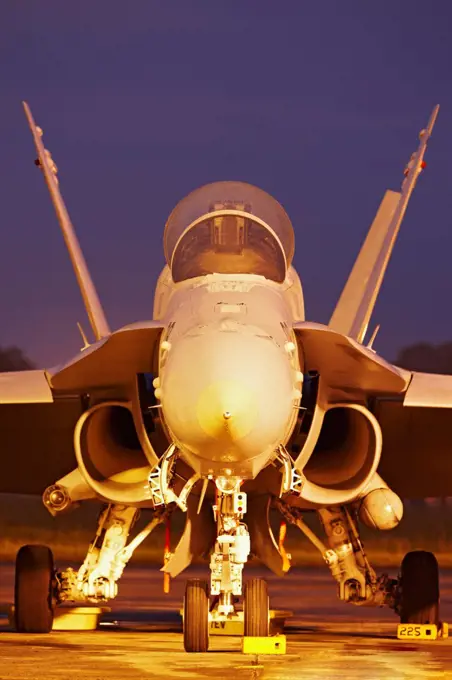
[90, 298]
[354, 308]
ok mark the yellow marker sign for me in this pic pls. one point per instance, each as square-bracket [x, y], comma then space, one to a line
[417, 631]
[275, 644]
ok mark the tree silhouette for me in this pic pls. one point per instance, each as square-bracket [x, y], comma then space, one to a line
[426, 358]
[14, 359]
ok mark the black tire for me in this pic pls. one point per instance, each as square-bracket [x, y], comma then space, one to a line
[256, 608]
[196, 616]
[419, 587]
[33, 596]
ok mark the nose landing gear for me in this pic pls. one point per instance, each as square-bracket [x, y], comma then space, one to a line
[230, 554]
[196, 616]
[256, 608]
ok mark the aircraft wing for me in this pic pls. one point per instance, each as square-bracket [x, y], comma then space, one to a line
[29, 387]
[417, 437]
[354, 308]
[39, 409]
[416, 417]
[348, 369]
[36, 432]
[111, 363]
[414, 409]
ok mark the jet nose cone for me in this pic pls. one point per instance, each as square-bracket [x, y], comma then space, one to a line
[227, 396]
[227, 410]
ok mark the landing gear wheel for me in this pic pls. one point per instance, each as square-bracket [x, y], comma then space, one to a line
[256, 608]
[33, 605]
[419, 584]
[196, 616]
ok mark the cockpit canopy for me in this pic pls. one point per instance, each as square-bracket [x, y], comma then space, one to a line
[228, 228]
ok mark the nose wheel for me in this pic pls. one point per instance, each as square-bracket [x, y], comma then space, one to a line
[256, 608]
[196, 616]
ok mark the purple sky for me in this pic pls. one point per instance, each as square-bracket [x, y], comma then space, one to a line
[319, 103]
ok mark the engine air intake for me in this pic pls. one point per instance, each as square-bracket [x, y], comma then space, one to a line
[345, 457]
[109, 454]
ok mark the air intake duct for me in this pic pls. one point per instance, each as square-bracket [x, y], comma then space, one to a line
[109, 455]
[345, 457]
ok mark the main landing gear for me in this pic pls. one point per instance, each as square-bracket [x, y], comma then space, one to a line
[34, 590]
[39, 587]
[419, 588]
[414, 595]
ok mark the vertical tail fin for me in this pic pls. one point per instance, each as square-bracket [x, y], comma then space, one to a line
[90, 297]
[355, 306]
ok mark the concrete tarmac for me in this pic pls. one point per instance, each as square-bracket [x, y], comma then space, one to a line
[141, 638]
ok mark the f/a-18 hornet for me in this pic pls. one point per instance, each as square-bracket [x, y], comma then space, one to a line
[228, 404]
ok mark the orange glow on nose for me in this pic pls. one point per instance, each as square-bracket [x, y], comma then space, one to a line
[227, 409]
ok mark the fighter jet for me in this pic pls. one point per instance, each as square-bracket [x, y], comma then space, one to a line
[228, 405]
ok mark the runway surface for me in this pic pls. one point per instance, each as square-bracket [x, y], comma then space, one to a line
[141, 638]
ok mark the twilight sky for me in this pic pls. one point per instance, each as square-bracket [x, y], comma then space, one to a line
[320, 103]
